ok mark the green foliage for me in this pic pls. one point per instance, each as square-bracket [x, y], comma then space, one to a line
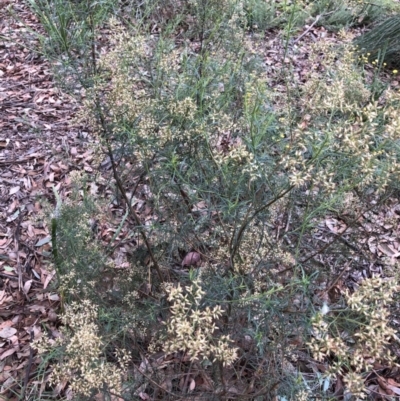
[264, 15]
[382, 41]
[73, 236]
[332, 14]
[339, 14]
[70, 28]
[236, 172]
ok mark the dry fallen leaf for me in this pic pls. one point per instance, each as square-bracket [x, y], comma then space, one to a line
[27, 286]
[7, 332]
[14, 190]
[7, 353]
[191, 259]
[388, 250]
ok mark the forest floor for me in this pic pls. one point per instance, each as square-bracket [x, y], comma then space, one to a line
[39, 147]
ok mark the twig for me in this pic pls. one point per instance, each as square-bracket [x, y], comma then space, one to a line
[111, 249]
[132, 211]
[234, 245]
[16, 241]
[35, 81]
[28, 368]
[311, 26]
[7, 162]
[156, 384]
[185, 384]
[121, 188]
[338, 237]
[338, 277]
[8, 276]
[308, 29]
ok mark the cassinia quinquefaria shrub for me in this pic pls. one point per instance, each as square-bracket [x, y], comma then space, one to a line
[80, 351]
[353, 353]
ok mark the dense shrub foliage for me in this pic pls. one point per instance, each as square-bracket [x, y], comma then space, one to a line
[225, 171]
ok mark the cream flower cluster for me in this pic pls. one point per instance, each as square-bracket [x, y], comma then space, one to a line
[192, 329]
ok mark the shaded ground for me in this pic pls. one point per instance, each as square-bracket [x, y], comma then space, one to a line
[38, 147]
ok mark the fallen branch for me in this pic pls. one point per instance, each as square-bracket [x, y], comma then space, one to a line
[311, 26]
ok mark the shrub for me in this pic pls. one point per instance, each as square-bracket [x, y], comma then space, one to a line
[234, 172]
[354, 351]
[80, 352]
